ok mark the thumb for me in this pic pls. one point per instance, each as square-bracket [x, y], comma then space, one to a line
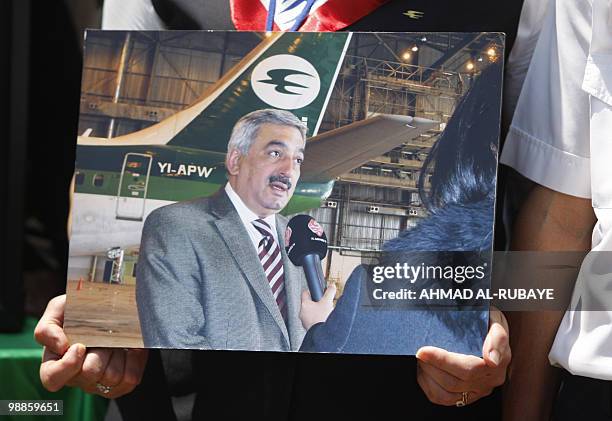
[496, 346]
[330, 292]
[56, 372]
[431, 354]
[306, 296]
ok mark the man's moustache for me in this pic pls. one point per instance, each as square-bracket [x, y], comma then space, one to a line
[281, 179]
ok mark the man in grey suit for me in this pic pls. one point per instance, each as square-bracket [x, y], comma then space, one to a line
[203, 276]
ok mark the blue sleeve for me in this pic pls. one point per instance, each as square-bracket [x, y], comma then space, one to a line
[333, 334]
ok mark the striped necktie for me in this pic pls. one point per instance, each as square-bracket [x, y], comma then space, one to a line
[271, 259]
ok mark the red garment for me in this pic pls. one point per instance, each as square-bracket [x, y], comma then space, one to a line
[332, 15]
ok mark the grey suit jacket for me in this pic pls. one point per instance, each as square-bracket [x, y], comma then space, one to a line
[200, 283]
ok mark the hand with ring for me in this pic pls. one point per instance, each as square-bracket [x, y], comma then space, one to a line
[465, 397]
[109, 372]
[105, 390]
[452, 379]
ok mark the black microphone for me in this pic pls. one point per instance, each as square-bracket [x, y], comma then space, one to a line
[306, 245]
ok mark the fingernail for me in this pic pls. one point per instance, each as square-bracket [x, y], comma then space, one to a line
[80, 350]
[494, 356]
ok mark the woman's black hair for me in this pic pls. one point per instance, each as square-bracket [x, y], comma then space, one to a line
[464, 158]
[458, 233]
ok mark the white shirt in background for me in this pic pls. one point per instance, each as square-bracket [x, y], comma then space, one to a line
[561, 138]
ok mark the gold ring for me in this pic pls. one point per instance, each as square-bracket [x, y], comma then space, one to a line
[103, 389]
[464, 399]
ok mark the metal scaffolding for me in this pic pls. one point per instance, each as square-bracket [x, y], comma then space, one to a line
[380, 198]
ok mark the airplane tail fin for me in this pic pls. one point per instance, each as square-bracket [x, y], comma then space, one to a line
[291, 71]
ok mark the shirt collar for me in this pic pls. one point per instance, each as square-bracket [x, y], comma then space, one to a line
[247, 215]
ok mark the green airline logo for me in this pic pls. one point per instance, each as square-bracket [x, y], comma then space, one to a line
[316, 56]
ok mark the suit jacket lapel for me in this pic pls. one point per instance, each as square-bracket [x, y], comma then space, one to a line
[239, 243]
[293, 289]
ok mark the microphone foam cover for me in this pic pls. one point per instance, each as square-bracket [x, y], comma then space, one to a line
[304, 236]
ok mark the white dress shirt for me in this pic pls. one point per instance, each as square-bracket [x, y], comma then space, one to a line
[561, 138]
[131, 15]
[247, 216]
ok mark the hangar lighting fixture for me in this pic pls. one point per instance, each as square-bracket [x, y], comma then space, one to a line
[424, 39]
[492, 54]
[469, 65]
[415, 48]
[406, 56]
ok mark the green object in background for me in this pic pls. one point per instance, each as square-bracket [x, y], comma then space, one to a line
[20, 358]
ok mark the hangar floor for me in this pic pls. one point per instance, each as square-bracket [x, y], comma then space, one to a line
[101, 314]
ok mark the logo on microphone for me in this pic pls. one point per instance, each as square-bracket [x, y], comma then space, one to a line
[286, 81]
[288, 232]
[315, 227]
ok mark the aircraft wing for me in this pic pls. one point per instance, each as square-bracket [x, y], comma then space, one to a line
[338, 151]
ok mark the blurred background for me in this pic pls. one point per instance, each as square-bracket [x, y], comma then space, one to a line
[39, 99]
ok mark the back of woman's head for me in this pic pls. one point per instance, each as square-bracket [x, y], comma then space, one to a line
[464, 158]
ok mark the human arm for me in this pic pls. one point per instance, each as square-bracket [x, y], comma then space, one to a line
[549, 143]
[548, 221]
[74, 365]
